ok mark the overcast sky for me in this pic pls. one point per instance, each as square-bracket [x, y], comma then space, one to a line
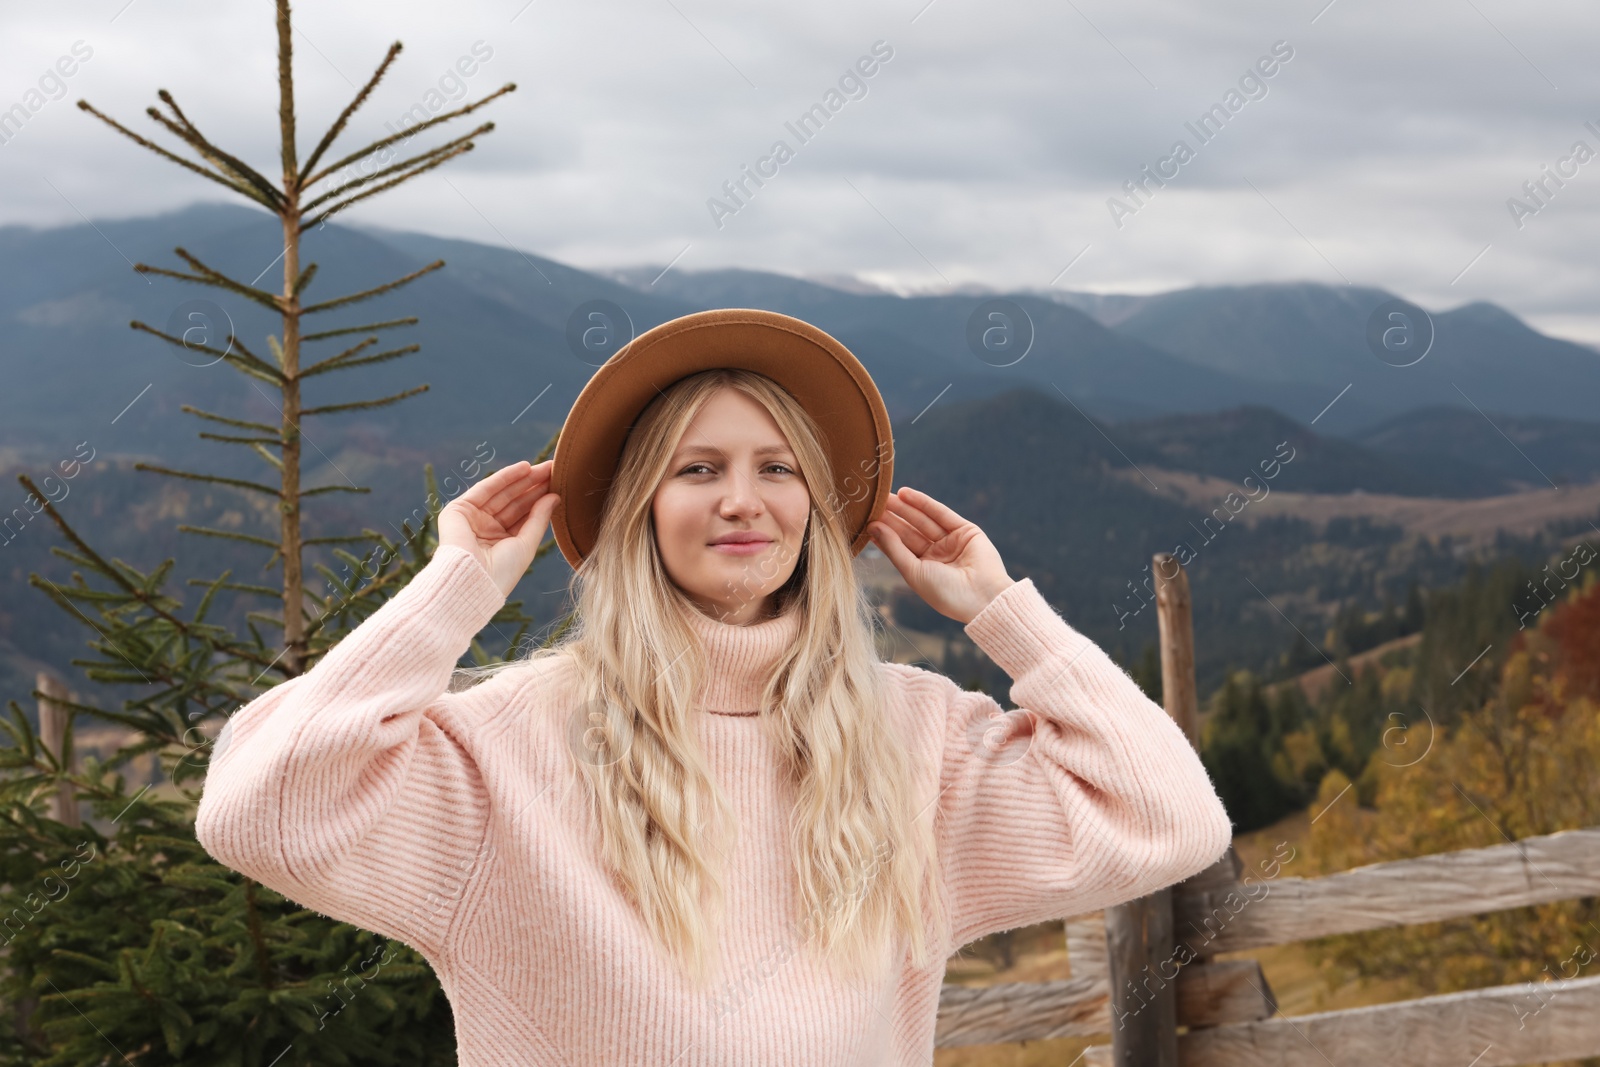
[1383, 151]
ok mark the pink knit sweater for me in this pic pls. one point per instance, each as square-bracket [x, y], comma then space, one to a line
[454, 822]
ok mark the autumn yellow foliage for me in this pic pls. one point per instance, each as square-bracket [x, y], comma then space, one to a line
[1521, 765]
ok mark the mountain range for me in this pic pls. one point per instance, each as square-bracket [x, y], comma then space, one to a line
[498, 314]
[1057, 454]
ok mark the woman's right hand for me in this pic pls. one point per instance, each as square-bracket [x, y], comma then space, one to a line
[502, 519]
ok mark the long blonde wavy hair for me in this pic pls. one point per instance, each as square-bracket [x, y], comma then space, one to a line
[864, 856]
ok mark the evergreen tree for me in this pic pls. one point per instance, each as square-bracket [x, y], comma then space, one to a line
[1470, 627]
[123, 941]
[1241, 747]
[1415, 615]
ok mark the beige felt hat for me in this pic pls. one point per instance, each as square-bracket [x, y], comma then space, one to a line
[819, 372]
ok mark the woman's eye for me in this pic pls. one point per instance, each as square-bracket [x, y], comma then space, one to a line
[695, 468]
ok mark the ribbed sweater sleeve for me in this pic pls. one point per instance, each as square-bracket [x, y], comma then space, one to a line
[1088, 794]
[351, 789]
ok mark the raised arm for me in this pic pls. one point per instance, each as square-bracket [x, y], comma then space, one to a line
[1087, 795]
[351, 789]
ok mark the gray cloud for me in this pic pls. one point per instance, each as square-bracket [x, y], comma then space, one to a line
[985, 151]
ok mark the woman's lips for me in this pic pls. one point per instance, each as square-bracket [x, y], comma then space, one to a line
[742, 548]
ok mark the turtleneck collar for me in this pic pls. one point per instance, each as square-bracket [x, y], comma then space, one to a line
[740, 659]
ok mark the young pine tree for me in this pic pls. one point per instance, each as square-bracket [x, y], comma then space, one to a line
[121, 941]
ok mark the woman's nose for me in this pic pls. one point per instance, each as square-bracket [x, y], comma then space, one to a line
[740, 496]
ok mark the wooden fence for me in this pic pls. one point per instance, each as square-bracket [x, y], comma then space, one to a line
[1188, 1007]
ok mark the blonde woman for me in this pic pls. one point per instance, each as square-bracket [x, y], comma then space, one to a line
[708, 825]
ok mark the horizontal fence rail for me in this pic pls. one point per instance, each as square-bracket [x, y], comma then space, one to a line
[1449, 885]
[1022, 1011]
[1209, 994]
[1231, 1014]
[1503, 1026]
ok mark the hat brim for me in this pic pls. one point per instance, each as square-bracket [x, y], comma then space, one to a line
[819, 372]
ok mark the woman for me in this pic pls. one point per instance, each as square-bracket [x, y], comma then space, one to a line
[709, 825]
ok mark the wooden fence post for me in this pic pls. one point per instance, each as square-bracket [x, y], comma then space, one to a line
[52, 730]
[1175, 618]
[1139, 935]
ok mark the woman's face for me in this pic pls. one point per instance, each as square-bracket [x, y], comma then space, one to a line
[732, 473]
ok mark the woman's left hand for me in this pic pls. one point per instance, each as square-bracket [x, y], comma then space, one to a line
[945, 559]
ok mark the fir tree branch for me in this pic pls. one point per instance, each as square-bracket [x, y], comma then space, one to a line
[217, 478]
[360, 404]
[272, 299]
[132, 590]
[216, 279]
[369, 327]
[404, 165]
[350, 109]
[335, 609]
[223, 161]
[277, 350]
[110, 672]
[380, 542]
[346, 354]
[242, 190]
[390, 184]
[211, 590]
[235, 344]
[230, 535]
[241, 587]
[375, 146]
[347, 539]
[200, 279]
[249, 364]
[335, 489]
[240, 440]
[343, 364]
[269, 457]
[305, 278]
[242, 423]
[329, 305]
